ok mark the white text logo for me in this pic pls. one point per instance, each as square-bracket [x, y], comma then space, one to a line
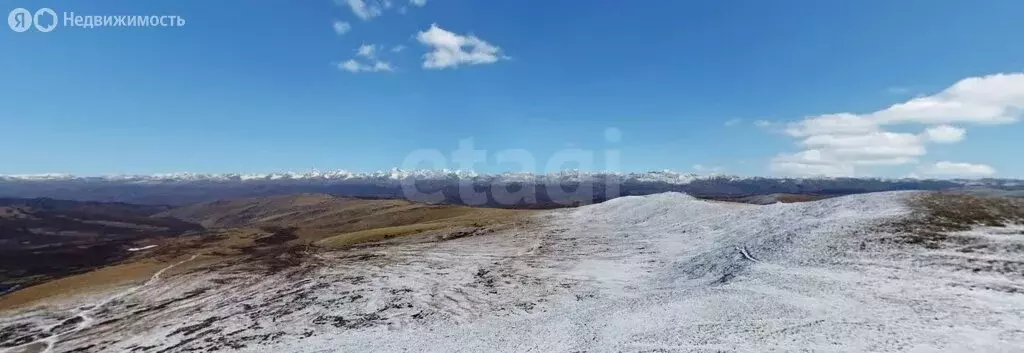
[46, 20]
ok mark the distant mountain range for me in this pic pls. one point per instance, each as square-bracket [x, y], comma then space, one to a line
[462, 187]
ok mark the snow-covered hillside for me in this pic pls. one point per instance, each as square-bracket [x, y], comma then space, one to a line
[664, 272]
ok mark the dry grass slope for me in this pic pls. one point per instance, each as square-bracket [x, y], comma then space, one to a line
[346, 221]
[939, 213]
[272, 233]
[109, 276]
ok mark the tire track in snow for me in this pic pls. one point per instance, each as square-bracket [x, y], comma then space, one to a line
[743, 251]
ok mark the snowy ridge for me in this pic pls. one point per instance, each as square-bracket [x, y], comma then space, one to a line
[397, 175]
[449, 185]
[663, 272]
[392, 175]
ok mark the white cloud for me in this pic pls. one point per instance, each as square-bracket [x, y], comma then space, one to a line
[992, 99]
[869, 147]
[363, 10]
[809, 162]
[342, 27]
[945, 134]
[370, 61]
[841, 153]
[368, 51]
[350, 66]
[837, 144]
[946, 168]
[398, 48]
[355, 66]
[450, 50]
[418, 3]
[733, 122]
[382, 66]
[839, 162]
[706, 169]
[843, 123]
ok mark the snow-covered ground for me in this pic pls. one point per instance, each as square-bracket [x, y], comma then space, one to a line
[663, 272]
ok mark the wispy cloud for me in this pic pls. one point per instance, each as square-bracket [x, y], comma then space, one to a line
[369, 9]
[449, 50]
[368, 51]
[947, 168]
[706, 169]
[355, 66]
[341, 27]
[362, 9]
[733, 122]
[945, 134]
[898, 90]
[367, 58]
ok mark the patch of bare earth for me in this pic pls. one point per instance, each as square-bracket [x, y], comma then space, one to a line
[974, 235]
[940, 215]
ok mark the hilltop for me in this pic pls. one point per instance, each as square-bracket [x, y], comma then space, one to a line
[885, 272]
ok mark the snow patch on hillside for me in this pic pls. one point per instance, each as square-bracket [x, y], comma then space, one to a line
[664, 272]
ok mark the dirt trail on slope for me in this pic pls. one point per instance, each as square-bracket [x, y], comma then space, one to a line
[84, 318]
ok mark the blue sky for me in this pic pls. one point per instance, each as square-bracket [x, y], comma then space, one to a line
[739, 87]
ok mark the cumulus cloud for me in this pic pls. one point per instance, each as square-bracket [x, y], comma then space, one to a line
[836, 144]
[354, 66]
[341, 27]
[362, 9]
[946, 168]
[449, 50]
[992, 99]
[398, 48]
